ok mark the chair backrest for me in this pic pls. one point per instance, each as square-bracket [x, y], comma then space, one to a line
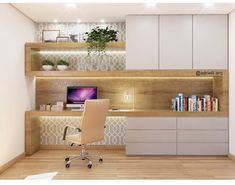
[93, 120]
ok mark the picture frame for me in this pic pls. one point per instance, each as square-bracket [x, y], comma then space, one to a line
[62, 39]
[50, 35]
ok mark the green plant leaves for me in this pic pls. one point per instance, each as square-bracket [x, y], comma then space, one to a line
[98, 37]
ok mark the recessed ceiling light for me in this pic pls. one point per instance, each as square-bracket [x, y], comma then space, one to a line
[71, 5]
[55, 21]
[209, 4]
[79, 20]
[102, 20]
[151, 4]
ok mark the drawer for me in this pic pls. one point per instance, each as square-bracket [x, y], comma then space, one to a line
[202, 136]
[151, 148]
[151, 123]
[202, 148]
[203, 123]
[151, 136]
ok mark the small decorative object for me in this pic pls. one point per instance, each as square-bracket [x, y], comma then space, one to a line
[98, 38]
[42, 107]
[47, 65]
[62, 39]
[62, 65]
[60, 103]
[56, 108]
[73, 38]
[48, 107]
[50, 35]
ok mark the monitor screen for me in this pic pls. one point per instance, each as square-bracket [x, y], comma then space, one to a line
[78, 94]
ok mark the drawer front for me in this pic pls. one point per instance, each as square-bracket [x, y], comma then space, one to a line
[151, 148]
[151, 136]
[203, 123]
[151, 123]
[202, 136]
[202, 148]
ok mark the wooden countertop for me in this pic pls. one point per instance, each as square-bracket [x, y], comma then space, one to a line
[131, 113]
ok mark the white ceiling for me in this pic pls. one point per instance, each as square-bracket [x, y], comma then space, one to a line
[111, 12]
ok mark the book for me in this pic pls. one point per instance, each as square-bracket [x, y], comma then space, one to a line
[185, 103]
[181, 104]
[194, 103]
[173, 104]
[177, 103]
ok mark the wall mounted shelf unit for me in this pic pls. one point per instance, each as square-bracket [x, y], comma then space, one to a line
[36, 52]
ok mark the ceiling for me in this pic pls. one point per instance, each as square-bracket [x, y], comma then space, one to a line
[113, 12]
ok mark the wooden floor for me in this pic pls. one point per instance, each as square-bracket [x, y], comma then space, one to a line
[117, 165]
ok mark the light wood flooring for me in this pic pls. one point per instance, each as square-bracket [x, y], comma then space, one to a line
[117, 165]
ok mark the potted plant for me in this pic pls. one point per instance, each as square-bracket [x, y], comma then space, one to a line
[47, 65]
[98, 38]
[62, 65]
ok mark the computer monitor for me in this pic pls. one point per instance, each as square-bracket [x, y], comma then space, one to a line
[77, 95]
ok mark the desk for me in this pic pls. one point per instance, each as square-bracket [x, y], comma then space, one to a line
[32, 125]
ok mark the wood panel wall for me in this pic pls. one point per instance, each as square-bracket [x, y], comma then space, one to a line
[146, 93]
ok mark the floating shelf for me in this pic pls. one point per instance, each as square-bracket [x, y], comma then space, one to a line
[126, 73]
[69, 45]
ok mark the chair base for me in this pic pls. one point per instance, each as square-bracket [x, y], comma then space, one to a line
[83, 156]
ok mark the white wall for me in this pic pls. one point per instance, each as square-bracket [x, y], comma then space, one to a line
[15, 89]
[231, 83]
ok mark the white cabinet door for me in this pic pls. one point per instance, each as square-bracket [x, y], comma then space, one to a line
[175, 37]
[142, 42]
[210, 42]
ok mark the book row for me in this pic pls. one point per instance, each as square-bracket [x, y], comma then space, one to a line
[194, 103]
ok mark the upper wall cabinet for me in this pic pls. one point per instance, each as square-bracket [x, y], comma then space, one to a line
[210, 42]
[142, 42]
[175, 37]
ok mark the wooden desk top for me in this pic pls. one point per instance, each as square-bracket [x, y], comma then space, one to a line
[131, 113]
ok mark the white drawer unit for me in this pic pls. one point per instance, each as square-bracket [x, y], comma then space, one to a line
[202, 136]
[151, 136]
[151, 123]
[177, 136]
[151, 149]
[202, 148]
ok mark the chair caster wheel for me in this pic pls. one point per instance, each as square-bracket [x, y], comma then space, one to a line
[66, 159]
[67, 165]
[100, 159]
[89, 164]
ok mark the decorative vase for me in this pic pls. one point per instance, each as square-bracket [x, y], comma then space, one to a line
[47, 67]
[62, 67]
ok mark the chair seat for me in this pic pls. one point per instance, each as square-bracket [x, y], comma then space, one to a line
[74, 138]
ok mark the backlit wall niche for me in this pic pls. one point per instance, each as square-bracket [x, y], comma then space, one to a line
[78, 60]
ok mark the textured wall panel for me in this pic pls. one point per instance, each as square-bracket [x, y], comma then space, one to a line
[51, 130]
[80, 28]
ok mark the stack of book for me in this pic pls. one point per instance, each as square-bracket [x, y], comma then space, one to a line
[194, 103]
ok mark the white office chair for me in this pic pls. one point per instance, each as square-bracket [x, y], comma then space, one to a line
[91, 129]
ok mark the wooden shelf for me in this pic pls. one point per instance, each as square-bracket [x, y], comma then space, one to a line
[130, 113]
[69, 45]
[126, 73]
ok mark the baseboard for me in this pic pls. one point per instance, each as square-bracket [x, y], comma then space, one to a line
[11, 162]
[67, 147]
[231, 156]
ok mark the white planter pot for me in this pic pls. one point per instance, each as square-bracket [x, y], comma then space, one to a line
[62, 67]
[47, 67]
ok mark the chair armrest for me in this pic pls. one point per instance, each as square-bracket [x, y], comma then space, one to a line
[66, 129]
